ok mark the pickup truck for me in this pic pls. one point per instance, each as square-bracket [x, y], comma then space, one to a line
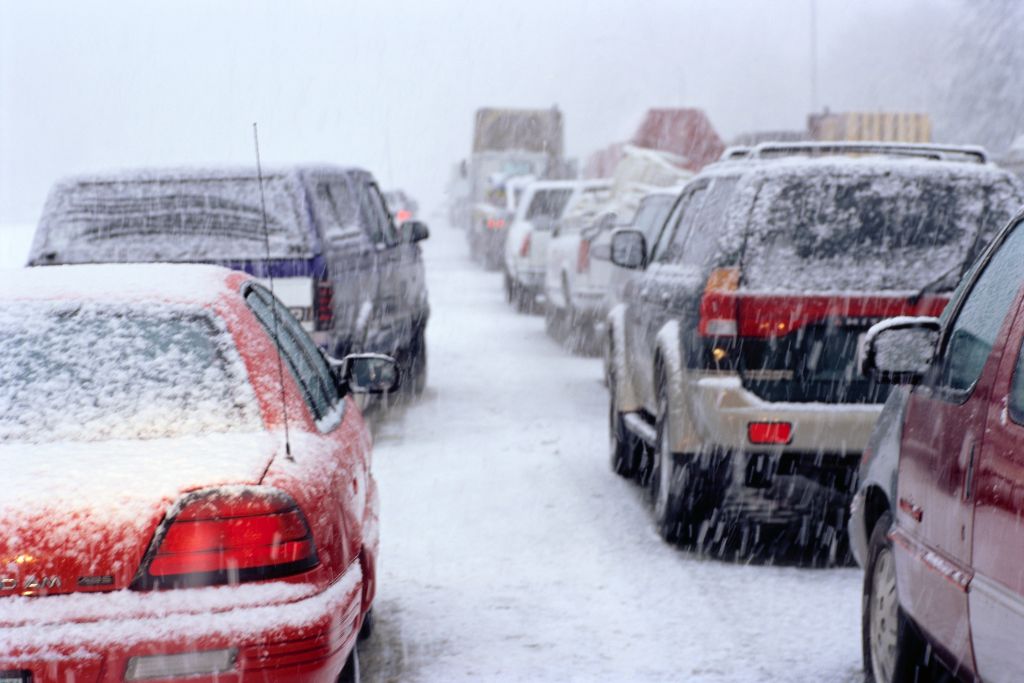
[578, 274]
[353, 279]
[538, 214]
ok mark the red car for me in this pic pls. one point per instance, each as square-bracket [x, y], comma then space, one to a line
[945, 576]
[179, 501]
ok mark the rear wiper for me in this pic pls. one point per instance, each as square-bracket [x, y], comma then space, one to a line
[913, 300]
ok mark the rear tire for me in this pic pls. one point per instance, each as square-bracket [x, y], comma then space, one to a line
[350, 673]
[554, 323]
[366, 630]
[418, 363]
[893, 649]
[662, 480]
[624, 448]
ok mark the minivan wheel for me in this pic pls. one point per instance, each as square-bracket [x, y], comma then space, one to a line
[350, 673]
[893, 650]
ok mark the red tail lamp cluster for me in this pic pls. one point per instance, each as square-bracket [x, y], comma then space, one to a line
[223, 538]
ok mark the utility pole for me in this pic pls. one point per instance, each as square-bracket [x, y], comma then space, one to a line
[814, 56]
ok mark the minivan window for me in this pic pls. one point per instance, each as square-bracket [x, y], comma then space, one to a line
[978, 320]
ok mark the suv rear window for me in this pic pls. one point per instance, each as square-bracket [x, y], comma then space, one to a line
[172, 220]
[90, 372]
[873, 228]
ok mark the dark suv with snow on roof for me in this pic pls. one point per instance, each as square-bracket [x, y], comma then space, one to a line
[734, 350]
[352, 278]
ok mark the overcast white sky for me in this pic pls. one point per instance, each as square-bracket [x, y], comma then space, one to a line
[392, 85]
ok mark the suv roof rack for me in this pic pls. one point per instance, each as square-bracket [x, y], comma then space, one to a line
[765, 150]
[735, 152]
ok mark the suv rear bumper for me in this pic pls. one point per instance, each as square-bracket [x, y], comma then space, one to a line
[723, 409]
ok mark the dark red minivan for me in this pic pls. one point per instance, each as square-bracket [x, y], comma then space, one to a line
[946, 576]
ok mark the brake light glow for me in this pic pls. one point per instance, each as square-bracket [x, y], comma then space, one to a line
[402, 216]
[231, 538]
[583, 257]
[323, 305]
[770, 433]
[495, 223]
[524, 249]
[718, 305]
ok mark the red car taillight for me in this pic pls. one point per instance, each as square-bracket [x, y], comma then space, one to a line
[402, 216]
[524, 249]
[323, 305]
[223, 537]
[495, 223]
[583, 257]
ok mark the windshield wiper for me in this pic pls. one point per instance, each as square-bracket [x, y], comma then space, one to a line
[934, 283]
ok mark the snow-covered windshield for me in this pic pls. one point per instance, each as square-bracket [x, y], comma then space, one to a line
[172, 220]
[861, 229]
[90, 372]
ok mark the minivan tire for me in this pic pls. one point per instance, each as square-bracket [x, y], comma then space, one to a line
[883, 623]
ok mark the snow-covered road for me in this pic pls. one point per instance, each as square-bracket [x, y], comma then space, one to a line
[510, 551]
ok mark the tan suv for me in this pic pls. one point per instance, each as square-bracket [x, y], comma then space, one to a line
[734, 350]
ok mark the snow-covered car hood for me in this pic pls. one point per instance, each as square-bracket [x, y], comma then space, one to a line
[83, 513]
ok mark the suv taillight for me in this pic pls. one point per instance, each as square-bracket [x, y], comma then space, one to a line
[224, 537]
[323, 305]
[718, 305]
[583, 257]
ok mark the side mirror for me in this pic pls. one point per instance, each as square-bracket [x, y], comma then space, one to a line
[414, 231]
[629, 249]
[900, 350]
[367, 373]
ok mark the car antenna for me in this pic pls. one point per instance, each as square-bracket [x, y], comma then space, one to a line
[273, 300]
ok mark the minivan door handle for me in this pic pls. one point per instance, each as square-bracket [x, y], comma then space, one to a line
[969, 473]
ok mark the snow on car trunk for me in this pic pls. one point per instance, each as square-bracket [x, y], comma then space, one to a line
[78, 516]
[108, 413]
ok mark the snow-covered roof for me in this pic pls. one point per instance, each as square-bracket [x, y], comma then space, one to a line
[180, 283]
[224, 172]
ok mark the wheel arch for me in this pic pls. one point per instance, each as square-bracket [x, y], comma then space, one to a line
[670, 369]
[624, 392]
[876, 504]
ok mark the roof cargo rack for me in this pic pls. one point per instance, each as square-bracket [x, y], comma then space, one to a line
[967, 153]
[735, 152]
